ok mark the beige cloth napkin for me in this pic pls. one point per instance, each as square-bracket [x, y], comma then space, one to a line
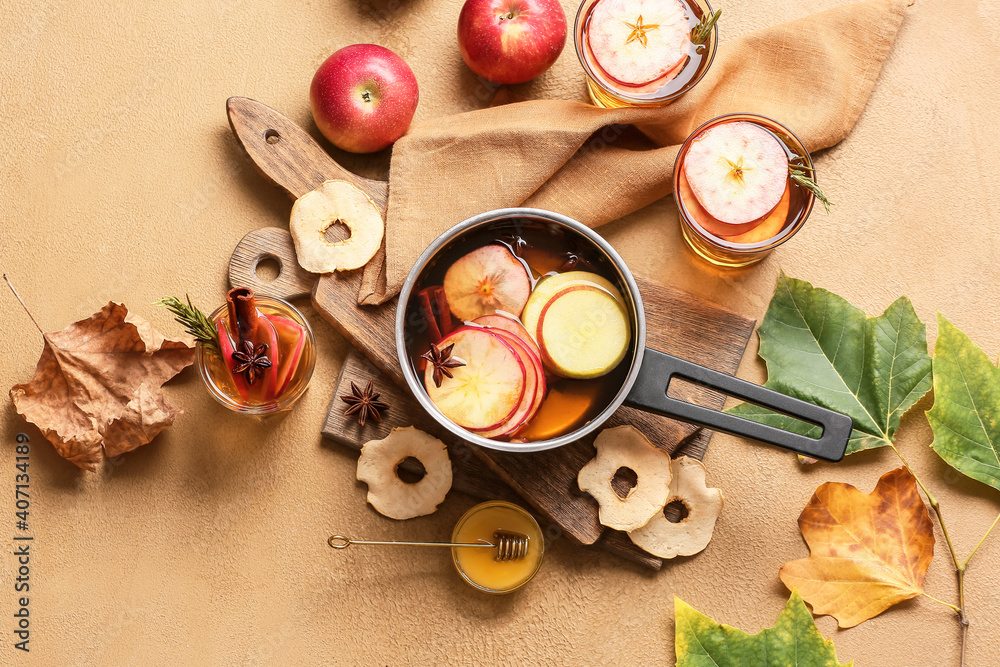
[813, 75]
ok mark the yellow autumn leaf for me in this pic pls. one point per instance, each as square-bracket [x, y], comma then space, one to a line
[868, 551]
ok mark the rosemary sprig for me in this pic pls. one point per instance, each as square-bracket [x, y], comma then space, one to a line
[800, 174]
[194, 321]
[701, 32]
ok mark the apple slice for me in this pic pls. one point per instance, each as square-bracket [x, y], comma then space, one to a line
[771, 225]
[534, 388]
[486, 280]
[737, 170]
[226, 348]
[701, 216]
[637, 42]
[487, 390]
[269, 336]
[288, 330]
[550, 285]
[510, 325]
[583, 332]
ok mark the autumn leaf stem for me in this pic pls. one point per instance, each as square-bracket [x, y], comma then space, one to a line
[23, 304]
[981, 540]
[946, 604]
[960, 566]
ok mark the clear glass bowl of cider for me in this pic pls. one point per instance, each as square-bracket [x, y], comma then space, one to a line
[639, 53]
[479, 567]
[266, 354]
[738, 184]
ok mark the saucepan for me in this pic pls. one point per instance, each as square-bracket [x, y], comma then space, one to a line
[650, 372]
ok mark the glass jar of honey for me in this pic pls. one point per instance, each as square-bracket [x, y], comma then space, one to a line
[480, 567]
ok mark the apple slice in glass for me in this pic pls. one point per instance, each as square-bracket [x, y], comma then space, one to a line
[288, 330]
[701, 216]
[637, 42]
[738, 171]
[770, 225]
[487, 390]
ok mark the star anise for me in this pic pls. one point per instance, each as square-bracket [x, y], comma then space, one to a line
[442, 362]
[251, 362]
[639, 31]
[365, 403]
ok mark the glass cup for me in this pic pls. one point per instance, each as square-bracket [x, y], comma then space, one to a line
[723, 251]
[610, 94]
[215, 374]
[476, 566]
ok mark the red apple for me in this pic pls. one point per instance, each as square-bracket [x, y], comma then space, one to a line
[511, 41]
[363, 98]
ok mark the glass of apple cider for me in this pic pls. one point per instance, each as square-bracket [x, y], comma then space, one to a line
[638, 53]
[737, 184]
[283, 355]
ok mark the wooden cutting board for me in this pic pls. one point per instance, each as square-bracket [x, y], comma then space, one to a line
[677, 323]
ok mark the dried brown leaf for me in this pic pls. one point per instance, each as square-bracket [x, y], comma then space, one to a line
[96, 389]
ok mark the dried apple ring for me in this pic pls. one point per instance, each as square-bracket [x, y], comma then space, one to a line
[390, 495]
[626, 447]
[661, 537]
[314, 212]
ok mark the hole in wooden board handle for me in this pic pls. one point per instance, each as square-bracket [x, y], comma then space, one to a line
[270, 243]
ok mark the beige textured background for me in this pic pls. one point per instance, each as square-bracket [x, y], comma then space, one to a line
[119, 179]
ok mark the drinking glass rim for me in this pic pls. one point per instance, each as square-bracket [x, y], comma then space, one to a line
[718, 240]
[633, 100]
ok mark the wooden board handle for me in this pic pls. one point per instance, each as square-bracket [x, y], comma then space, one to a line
[287, 155]
[292, 281]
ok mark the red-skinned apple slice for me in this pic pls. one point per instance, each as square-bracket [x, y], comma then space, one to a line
[270, 337]
[226, 348]
[549, 286]
[486, 391]
[510, 325]
[771, 225]
[534, 388]
[637, 42]
[484, 281]
[288, 330]
[738, 171]
[701, 216]
[583, 332]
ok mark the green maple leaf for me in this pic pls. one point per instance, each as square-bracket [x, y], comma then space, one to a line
[820, 348]
[793, 641]
[966, 413]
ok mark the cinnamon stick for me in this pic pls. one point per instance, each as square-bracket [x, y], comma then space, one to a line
[242, 305]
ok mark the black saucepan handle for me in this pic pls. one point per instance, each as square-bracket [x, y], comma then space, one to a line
[649, 393]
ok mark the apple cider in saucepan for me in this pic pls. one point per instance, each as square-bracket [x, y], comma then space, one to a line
[520, 331]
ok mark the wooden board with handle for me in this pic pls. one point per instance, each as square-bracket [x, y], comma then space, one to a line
[677, 322]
